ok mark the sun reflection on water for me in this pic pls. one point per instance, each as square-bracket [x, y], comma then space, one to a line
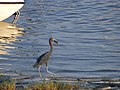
[8, 34]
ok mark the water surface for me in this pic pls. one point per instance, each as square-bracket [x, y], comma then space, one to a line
[87, 31]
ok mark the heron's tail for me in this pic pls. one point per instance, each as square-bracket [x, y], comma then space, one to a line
[35, 65]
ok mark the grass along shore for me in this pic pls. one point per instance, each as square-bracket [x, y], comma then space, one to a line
[45, 85]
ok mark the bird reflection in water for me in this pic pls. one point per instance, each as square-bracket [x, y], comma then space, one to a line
[8, 34]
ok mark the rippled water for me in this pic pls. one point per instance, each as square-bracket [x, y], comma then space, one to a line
[88, 32]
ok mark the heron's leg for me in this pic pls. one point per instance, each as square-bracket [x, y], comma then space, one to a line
[17, 14]
[48, 70]
[39, 71]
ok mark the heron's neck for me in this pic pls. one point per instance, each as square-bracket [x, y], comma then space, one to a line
[51, 46]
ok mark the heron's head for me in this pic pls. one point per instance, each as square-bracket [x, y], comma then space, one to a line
[53, 40]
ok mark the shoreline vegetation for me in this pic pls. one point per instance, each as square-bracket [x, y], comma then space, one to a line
[61, 83]
[51, 85]
[45, 85]
[8, 83]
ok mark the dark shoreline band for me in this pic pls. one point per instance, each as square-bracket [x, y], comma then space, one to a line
[12, 2]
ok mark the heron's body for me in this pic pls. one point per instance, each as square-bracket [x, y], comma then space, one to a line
[43, 59]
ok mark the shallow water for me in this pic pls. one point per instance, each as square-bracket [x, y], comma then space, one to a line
[88, 35]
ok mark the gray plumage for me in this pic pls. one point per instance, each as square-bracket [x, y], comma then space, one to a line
[43, 59]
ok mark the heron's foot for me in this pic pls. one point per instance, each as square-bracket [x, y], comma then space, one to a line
[51, 73]
[46, 79]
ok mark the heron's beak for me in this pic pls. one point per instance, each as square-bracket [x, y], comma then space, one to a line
[55, 41]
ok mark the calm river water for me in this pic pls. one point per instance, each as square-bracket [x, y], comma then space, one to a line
[88, 32]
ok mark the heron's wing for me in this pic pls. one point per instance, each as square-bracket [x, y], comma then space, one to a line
[40, 57]
[44, 57]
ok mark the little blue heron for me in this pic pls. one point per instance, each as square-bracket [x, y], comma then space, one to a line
[43, 59]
